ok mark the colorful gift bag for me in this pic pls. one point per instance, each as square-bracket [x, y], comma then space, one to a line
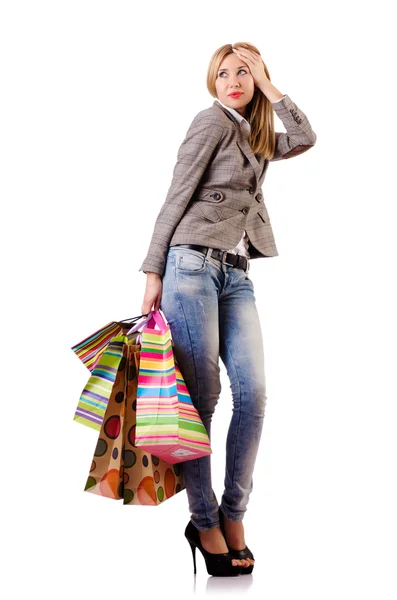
[90, 350]
[94, 398]
[167, 423]
[119, 470]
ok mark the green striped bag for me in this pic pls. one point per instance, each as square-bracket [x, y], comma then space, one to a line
[94, 398]
[90, 350]
[101, 353]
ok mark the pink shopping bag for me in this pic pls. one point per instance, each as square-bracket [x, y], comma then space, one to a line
[167, 423]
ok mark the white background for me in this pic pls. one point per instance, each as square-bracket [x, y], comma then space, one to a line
[96, 99]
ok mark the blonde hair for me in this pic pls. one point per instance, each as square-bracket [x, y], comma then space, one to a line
[260, 112]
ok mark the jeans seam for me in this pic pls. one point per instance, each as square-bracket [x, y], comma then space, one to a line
[239, 418]
[196, 381]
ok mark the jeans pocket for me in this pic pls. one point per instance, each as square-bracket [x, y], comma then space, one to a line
[190, 261]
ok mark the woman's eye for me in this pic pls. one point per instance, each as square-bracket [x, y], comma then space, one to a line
[224, 72]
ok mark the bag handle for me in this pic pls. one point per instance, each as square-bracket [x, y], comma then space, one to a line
[132, 319]
[138, 325]
[157, 318]
[153, 318]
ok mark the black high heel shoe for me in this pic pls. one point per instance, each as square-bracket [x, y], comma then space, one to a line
[239, 554]
[219, 565]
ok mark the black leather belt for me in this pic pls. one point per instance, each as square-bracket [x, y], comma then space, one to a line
[236, 260]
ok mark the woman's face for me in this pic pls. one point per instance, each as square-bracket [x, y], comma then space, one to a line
[234, 76]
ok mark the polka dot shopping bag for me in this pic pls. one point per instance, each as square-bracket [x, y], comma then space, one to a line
[119, 470]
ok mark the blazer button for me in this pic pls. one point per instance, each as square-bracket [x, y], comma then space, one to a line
[258, 197]
[245, 210]
[216, 196]
[251, 190]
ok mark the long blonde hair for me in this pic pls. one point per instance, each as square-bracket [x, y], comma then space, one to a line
[260, 112]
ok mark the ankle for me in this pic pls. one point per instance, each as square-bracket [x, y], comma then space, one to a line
[211, 533]
[230, 523]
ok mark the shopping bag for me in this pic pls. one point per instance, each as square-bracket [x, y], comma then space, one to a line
[119, 470]
[93, 399]
[90, 350]
[167, 423]
[95, 396]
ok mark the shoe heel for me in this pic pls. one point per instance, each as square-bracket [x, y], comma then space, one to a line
[193, 547]
[217, 564]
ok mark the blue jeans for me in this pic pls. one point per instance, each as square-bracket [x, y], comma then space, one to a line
[211, 310]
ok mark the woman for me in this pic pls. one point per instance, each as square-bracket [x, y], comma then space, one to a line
[212, 223]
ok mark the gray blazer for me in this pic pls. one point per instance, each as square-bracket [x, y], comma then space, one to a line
[215, 192]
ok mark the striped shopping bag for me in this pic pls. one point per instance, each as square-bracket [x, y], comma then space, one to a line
[167, 423]
[102, 354]
[94, 398]
[90, 350]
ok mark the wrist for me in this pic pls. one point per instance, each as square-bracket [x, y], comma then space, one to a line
[270, 91]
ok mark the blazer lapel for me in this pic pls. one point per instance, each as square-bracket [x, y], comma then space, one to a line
[242, 142]
[244, 146]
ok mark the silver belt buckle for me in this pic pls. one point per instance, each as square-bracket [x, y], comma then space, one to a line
[224, 252]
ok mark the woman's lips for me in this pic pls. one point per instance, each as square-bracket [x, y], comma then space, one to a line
[237, 95]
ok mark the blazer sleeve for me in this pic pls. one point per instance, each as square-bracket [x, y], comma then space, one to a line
[299, 136]
[194, 155]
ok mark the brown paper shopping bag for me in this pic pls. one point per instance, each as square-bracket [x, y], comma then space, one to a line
[119, 469]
